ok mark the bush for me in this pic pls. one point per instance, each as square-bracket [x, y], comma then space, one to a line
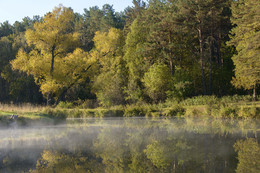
[76, 113]
[228, 112]
[133, 110]
[56, 113]
[175, 111]
[87, 104]
[233, 111]
[82, 113]
[236, 98]
[152, 110]
[200, 100]
[100, 112]
[67, 105]
[249, 112]
[171, 102]
[109, 113]
[195, 112]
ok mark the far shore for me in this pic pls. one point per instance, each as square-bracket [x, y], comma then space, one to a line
[27, 113]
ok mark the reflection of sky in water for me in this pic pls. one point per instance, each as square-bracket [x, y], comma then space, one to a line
[128, 145]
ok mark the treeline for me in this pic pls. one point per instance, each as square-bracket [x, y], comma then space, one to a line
[152, 52]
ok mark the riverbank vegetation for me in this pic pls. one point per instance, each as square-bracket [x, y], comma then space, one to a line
[157, 58]
[236, 107]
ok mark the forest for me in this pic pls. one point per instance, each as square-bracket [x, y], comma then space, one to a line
[163, 86]
[152, 52]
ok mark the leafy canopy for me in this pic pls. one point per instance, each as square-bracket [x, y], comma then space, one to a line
[55, 62]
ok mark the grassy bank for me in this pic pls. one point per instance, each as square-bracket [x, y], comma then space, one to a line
[202, 106]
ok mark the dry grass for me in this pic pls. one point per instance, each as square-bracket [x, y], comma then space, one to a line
[21, 108]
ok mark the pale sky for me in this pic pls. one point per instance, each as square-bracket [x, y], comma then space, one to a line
[16, 10]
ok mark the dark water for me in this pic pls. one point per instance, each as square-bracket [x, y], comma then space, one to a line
[133, 145]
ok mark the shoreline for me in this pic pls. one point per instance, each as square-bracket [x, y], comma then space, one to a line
[247, 110]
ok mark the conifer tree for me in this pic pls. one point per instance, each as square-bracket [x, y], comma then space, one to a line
[246, 39]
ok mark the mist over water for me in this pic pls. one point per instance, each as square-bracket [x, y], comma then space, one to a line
[129, 145]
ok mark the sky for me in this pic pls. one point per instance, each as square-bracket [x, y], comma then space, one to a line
[16, 10]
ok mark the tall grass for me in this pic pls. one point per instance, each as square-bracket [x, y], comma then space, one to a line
[226, 107]
[209, 100]
[236, 99]
[24, 107]
[200, 100]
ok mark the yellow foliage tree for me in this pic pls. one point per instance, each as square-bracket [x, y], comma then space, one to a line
[55, 61]
[109, 82]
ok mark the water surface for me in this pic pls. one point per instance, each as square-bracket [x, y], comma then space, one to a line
[132, 145]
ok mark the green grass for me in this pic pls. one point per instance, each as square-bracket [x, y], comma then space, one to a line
[201, 106]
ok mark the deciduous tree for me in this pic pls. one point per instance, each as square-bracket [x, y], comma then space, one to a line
[54, 62]
[111, 79]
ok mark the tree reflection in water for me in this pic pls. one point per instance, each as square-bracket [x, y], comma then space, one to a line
[135, 145]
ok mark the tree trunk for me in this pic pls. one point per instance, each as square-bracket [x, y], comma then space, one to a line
[202, 62]
[52, 60]
[51, 73]
[212, 40]
[254, 93]
[172, 68]
[49, 99]
[61, 96]
[210, 67]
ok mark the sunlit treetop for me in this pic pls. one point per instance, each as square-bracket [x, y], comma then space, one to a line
[55, 61]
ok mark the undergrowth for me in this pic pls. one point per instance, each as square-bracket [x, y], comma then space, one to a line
[201, 106]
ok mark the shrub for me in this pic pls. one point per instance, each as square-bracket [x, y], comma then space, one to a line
[151, 110]
[171, 102]
[118, 113]
[155, 114]
[100, 112]
[175, 111]
[76, 113]
[56, 113]
[236, 98]
[86, 104]
[249, 112]
[194, 112]
[133, 110]
[82, 113]
[200, 100]
[110, 113]
[67, 105]
[227, 112]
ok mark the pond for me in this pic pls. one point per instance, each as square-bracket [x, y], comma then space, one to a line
[132, 145]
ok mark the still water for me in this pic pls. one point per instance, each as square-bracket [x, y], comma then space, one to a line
[132, 145]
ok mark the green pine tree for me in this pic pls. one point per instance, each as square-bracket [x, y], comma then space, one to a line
[246, 39]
